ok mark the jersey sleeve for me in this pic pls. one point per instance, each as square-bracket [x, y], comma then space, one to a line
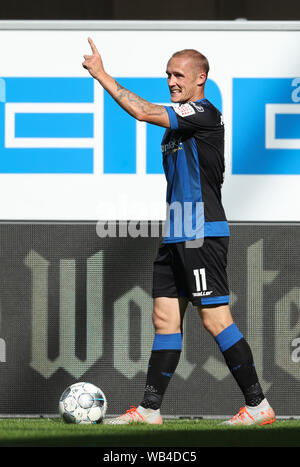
[192, 117]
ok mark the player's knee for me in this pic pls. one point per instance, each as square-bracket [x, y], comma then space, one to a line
[212, 326]
[159, 319]
[165, 323]
[216, 320]
[208, 324]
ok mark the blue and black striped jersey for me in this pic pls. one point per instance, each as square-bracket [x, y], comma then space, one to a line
[193, 160]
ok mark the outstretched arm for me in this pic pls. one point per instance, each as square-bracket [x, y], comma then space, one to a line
[133, 104]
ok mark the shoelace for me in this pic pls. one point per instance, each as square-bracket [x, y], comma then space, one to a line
[131, 412]
[241, 414]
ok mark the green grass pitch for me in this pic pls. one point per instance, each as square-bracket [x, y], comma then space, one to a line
[53, 432]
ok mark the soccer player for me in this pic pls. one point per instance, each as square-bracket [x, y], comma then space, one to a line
[191, 261]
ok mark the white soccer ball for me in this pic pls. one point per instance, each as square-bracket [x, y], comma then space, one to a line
[82, 403]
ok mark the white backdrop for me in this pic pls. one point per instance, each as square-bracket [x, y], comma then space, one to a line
[97, 195]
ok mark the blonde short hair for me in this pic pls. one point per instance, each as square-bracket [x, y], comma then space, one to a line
[199, 58]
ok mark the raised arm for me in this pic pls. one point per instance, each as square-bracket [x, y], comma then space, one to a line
[133, 104]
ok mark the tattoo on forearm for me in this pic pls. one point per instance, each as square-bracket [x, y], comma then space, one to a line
[147, 107]
[121, 90]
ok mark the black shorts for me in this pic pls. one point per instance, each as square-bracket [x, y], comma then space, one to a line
[198, 274]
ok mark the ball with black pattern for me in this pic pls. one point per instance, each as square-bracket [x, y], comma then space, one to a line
[82, 403]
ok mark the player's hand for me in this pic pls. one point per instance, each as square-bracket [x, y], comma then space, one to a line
[93, 63]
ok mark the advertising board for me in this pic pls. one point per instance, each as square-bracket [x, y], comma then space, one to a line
[68, 152]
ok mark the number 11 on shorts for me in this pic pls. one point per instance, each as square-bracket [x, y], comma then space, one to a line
[200, 277]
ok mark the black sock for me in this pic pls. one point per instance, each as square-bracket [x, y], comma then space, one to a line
[162, 365]
[240, 362]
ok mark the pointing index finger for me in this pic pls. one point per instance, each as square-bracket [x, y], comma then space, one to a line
[93, 47]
